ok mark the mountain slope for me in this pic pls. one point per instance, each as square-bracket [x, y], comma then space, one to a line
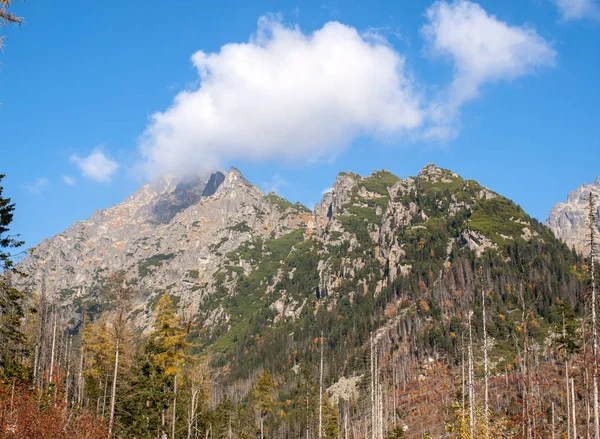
[207, 219]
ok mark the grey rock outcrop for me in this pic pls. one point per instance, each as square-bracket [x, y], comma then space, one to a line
[569, 220]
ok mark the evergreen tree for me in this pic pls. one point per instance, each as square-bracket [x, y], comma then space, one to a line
[146, 397]
[151, 389]
[12, 339]
[6, 241]
[331, 418]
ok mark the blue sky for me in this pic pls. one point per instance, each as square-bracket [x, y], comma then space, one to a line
[293, 93]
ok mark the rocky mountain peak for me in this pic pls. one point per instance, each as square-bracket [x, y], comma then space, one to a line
[334, 199]
[433, 174]
[430, 169]
[213, 184]
[569, 220]
[188, 191]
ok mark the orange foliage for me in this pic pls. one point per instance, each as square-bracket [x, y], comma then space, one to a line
[25, 414]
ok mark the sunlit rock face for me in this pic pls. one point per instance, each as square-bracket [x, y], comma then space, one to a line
[569, 220]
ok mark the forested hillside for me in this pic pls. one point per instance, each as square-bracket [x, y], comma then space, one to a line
[424, 307]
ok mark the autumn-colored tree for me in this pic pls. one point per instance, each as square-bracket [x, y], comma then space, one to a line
[98, 350]
[459, 426]
[25, 413]
[262, 397]
[169, 337]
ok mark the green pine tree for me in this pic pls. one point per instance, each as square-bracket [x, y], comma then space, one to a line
[12, 339]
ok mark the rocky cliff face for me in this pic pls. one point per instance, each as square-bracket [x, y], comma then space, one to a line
[169, 235]
[569, 220]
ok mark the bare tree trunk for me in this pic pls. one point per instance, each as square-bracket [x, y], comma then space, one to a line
[567, 382]
[307, 411]
[471, 383]
[373, 421]
[463, 375]
[68, 370]
[174, 407]
[485, 368]
[35, 361]
[573, 411]
[592, 220]
[377, 395]
[321, 391]
[80, 379]
[262, 436]
[553, 428]
[53, 348]
[113, 393]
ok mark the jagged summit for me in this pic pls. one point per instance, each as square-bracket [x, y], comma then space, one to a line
[569, 220]
[213, 184]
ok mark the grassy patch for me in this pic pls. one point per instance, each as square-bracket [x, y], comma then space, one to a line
[491, 218]
[379, 181]
[281, 203]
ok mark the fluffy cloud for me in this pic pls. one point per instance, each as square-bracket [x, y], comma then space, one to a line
[297, 97]
[96, 166]
[38, 186]
[483, 50]
[284, 95]
[577, 9]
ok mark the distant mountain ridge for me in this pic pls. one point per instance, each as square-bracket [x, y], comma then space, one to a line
[569, 220]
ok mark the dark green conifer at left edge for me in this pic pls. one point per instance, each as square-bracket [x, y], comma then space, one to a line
[12, 339]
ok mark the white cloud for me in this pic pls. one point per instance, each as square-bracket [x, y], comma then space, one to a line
[299, 98]
[38, 186]
[483, 50]
[68, 180]
[577, 9]
[96, 166]
[326, 190]
[284, 95]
